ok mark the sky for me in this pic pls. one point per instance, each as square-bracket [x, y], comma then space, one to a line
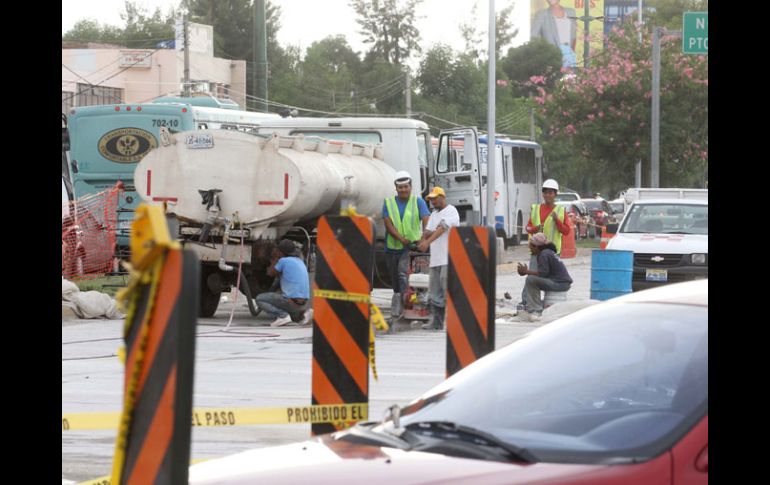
[306, 21]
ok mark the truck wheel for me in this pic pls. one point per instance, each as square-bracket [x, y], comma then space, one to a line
[209, 299]
[507, 241]
[209, 302]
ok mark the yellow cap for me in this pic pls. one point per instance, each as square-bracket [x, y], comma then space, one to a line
[435, 192]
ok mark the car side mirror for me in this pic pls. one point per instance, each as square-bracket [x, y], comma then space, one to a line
[612, 228]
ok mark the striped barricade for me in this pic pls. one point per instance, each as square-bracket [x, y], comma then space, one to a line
[470, 310]
[341, 328]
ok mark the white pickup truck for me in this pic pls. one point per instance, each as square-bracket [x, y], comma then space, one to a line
[667, 229]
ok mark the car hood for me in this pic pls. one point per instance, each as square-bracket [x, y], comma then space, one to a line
[324, 460]
[660, 243]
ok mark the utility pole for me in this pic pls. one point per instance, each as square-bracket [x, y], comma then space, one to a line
[408, 94]
[638, 178]
[260, 56]
[186, 27]
[657, 33]
[532, 124]
[491, 153]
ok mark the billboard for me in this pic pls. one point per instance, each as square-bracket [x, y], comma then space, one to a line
[561, 23]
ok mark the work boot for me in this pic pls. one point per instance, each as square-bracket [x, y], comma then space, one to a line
[437, 322]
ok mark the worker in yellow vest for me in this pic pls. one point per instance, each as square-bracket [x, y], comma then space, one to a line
[549, 218]
[405, 217]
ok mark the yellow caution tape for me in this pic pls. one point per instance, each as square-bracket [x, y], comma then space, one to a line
[349, 211]
[342, 295]
[228, 417]
[105, 480]
[376, 320]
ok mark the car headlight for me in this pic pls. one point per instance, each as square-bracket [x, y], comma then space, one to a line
[698, 258]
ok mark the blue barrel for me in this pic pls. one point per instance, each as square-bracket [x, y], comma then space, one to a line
[611, 273]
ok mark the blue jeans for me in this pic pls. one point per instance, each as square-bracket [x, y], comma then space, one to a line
[533, 302]
[398, 265]
[278, 306]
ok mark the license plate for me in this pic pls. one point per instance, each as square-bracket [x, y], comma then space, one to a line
[657, 275]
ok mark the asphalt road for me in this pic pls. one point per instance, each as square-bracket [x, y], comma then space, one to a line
[255, 365]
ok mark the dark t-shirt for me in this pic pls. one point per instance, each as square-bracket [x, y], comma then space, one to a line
[550, 266]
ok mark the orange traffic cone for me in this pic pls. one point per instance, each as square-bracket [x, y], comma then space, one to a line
[568, 249]
[606, 236]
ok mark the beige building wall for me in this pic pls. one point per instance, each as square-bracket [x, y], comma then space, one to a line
[159, 74]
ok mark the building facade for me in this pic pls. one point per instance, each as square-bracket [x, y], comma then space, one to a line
[104, 74]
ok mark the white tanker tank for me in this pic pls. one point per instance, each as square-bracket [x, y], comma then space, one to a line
[276, 181]
[217, 182]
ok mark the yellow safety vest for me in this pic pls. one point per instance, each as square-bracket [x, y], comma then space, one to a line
[409, 227]
[549, 227]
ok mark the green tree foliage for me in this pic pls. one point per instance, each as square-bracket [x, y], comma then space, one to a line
[668, 13]
[389, 27]
[537, 57]
[604, 113]
[504, 30]
[87, 30]
[476, 40]
[233, 22]
[327, 75]
[141, 30]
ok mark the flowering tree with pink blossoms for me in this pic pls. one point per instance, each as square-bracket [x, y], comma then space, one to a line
[599, 118]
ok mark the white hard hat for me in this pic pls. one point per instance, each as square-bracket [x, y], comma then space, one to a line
[402, 177]
[551, 184]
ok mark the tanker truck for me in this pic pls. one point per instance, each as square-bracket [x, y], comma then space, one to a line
[233, 195]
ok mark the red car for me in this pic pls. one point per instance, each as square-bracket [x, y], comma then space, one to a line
[616, 393]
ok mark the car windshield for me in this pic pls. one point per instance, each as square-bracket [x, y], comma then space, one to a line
[617, 207]
[667, 219]
[564, 196]
[610, 384]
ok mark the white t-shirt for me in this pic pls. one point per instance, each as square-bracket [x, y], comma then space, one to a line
[564, 29]
[439, 249]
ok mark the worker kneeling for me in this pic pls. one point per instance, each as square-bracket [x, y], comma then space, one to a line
[290, 304]
[551, 275]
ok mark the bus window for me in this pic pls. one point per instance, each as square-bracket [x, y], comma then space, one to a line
[203, 126]
[524, 170]
[506, 163]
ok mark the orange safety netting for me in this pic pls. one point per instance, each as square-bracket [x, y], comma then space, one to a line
[88, 234]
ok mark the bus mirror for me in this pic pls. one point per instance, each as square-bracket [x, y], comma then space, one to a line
[611, 228]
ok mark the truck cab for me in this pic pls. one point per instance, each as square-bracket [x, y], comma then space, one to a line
[669, 238]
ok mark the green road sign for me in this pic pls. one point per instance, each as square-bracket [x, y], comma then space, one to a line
[695, 33]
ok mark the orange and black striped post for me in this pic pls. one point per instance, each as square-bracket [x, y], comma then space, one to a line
[153, 443]
[344, 263]
[470, 308]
